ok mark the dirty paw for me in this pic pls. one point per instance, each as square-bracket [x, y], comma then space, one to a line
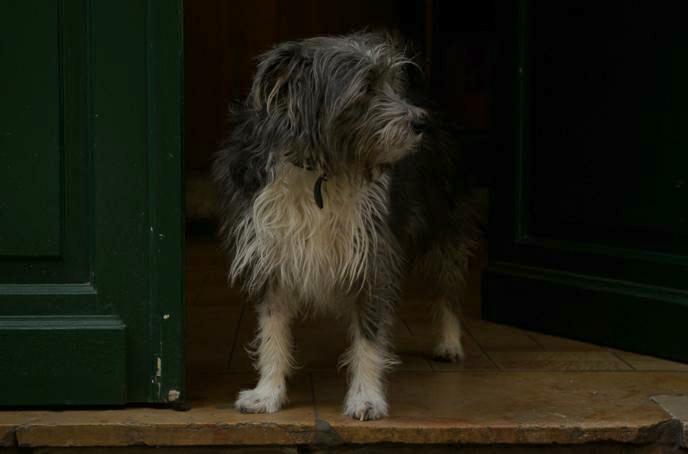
[258, 401]
[448, 353]
[363, 409]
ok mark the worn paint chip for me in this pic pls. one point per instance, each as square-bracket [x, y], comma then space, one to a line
[173, 395]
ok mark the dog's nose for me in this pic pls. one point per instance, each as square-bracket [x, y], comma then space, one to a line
[418, 126]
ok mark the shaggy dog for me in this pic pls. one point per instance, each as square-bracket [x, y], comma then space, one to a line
[334, 187]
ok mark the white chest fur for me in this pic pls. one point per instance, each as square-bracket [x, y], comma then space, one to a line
[312, 251]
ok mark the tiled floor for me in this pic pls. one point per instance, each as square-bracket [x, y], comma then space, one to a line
[515, 388]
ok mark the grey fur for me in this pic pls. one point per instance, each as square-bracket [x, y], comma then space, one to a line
[340, 106]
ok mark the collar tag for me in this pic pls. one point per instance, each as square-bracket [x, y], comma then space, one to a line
[317, 190]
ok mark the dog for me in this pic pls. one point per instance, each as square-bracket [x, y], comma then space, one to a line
[334, 187]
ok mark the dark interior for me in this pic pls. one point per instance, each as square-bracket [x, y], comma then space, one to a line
[454, 39]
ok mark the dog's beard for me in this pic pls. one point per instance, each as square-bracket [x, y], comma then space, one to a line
[310, 249]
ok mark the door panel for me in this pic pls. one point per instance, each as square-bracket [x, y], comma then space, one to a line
[608, 125]
[63, 360]
[89, 313]
[32, 55]
[44, 155]
[589, 232]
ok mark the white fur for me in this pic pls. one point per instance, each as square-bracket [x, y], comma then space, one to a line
[273, 347]
[367, 361]
[449, 344]
[309, 250]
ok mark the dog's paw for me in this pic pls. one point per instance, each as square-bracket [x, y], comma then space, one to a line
[259, 401]
[365, 408]
[448, 353]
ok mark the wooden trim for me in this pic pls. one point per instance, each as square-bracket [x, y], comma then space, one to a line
[89, 370]
[165, 197]
[624, 315]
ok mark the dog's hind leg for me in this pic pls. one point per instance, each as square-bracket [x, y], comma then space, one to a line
[448, 346]
[273, 347]
[368, 358]
[451, 267]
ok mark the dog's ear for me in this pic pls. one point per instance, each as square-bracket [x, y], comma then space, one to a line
[275, 69]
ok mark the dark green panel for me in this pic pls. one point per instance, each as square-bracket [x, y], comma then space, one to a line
[121, 237]
[613, 313]
[588, 234]
[64, 299]
[136, 93]
[30, 136]
[608, 135]
[90, 367]
[58, 175]
[120, 176]
[166, 177]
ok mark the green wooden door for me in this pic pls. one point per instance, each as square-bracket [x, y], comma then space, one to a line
[589, 231]
[91, 239]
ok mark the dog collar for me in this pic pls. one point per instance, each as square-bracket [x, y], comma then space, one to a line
[317, 187]
[317, 190]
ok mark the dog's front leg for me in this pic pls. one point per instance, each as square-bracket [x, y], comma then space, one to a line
[273, 348]
[368, 358]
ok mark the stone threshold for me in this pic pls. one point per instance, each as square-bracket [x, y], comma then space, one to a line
[469, 409]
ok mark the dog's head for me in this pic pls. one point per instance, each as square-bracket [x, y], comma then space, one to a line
[336, 101]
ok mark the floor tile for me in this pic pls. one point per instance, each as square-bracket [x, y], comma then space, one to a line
[422, 341]
[677, 407]
[506, 407]
[572, 361]
[11, 420]
[212, 420]
[413, 355]
[559, 344]
[471, 361]
[493, 337]
[649, 363]
[427, 333]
